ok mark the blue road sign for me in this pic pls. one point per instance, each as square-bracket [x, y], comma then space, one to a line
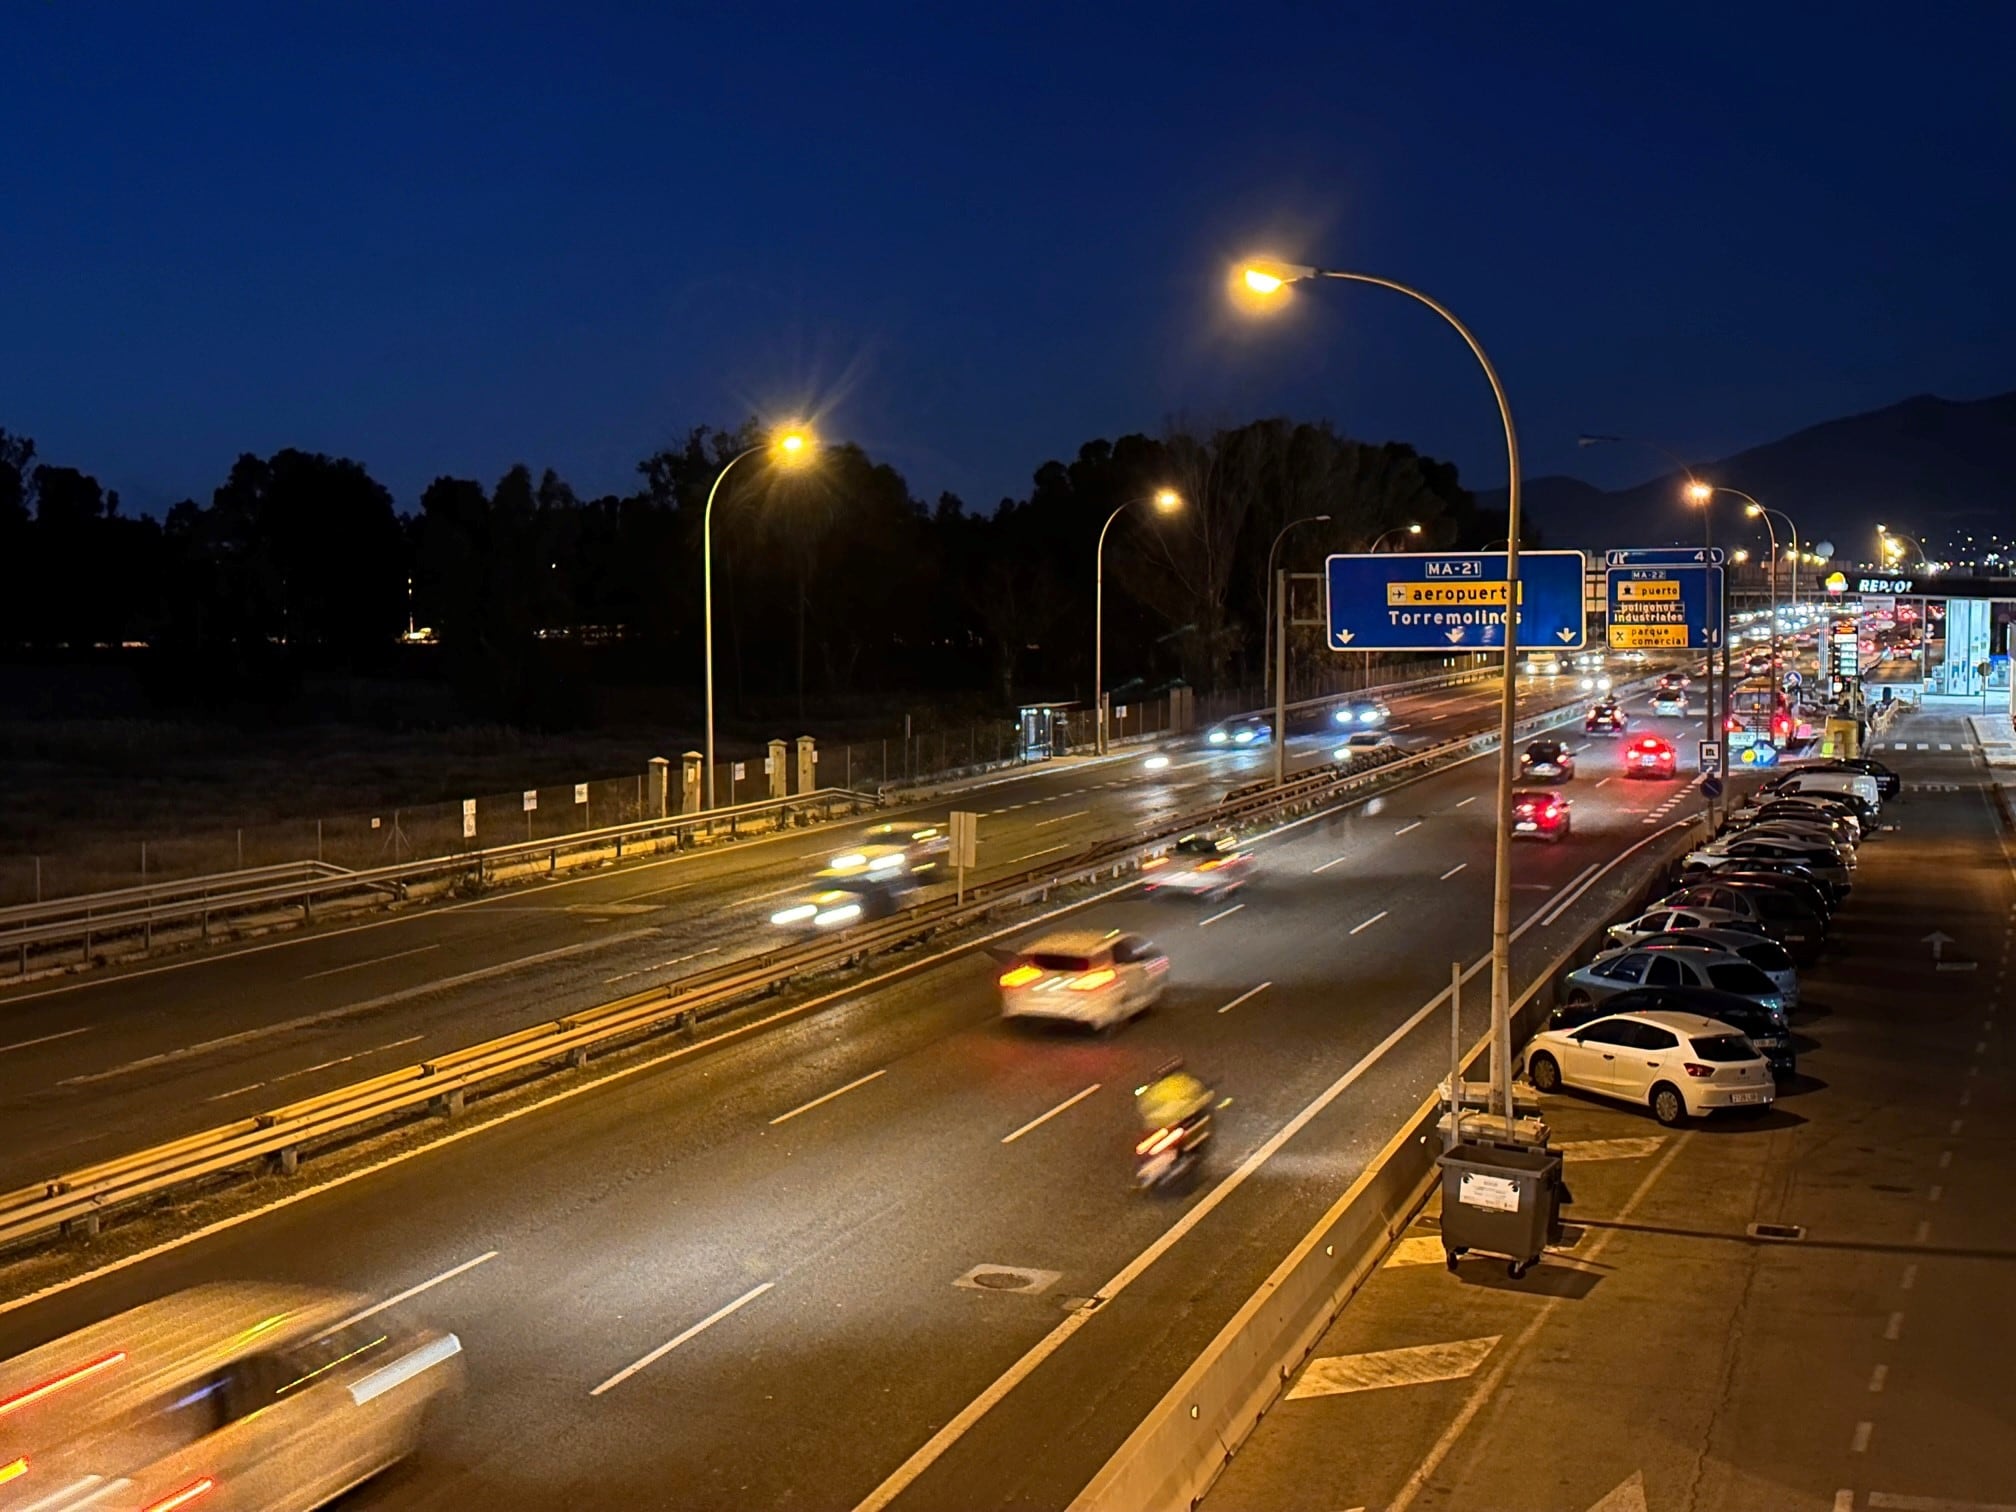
[1664, 608]
[1664, 556]
[1452, 601]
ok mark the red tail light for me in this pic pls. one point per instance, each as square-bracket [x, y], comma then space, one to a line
[58, 1382]
[1694, 1068]
[1553, 811]
[186, 1495]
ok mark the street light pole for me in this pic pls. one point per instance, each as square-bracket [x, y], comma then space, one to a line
[1275, 644]
[1166, 500]
[1268, 279]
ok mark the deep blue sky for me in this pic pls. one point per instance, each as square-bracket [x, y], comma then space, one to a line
[443, 239]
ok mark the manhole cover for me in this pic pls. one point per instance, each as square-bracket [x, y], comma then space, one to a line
[1008, 1278]
[1783, 1231]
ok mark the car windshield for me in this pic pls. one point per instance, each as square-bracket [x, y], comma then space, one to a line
[1049, 961]
[1545, 750]
[1724, 1048]
[1767, 956]
[1745, 980]
[1366, 740]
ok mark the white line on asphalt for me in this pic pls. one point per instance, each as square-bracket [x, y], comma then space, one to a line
[1373, 920]
[1637, 1148]
[1042, 1119]
[624, 976]
[1405, 828]
[1060, 818]
[1584, 879]
[836, 1092]
[413, 1291]
[673, 1343]
[45, 1038]
[1471, 799]
[1910, 1277]
[1452, 871]
[1034, 854]
[1601, 781]
[341, 1060]
[778, 892]
[649, 892]
[374, 961]
[1861, 1440]
[1217, 916]
[1893, 1329]
[1249, 992]
[1415, 1366]
[1885, 1501]
[1333, 861]
[1877, 1377]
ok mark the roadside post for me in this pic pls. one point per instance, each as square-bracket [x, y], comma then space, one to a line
[965, 845]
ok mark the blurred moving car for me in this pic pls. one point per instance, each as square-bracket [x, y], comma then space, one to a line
[1596, 682]
[1606, 718]
[1547, 760]
[873, 882]
[1203, 865]
[922, 844]
[1366, 745]
[1084, 976]
[1650, 756]
[1669, 701]
[1361, 712]
[1250, 730]
[1540, 815]
[231, 1395]
[1677, 682]
[1681, 1065]
[1541, 664]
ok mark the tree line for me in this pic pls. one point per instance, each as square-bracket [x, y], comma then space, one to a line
[831, 581]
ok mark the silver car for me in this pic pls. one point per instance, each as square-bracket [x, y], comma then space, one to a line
[1768, 956]
[1629, 966]
[1665, 918]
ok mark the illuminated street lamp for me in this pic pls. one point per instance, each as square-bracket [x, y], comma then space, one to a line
[1740, 555]
[1397, 530]
[1166, 501]
[793, 446]
[1265, 280]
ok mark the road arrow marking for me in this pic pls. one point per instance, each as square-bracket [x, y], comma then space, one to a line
[1626, 1496]
[1938, 940]
[1393, 1367]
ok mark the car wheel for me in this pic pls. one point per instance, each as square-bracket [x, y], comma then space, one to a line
[1544, 1074]
[1668, 1106]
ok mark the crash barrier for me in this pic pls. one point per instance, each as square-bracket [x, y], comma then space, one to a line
[78, 1201]
[1171, 1459]
[196, 904]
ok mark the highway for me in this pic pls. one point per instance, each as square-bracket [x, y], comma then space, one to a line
[102, 1064]
[732, 1278]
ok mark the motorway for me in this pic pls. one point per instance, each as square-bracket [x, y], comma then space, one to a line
[100, 1065]
[732, 1278]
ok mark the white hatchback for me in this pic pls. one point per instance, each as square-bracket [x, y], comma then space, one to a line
[1678, 1064]
[1085, 976]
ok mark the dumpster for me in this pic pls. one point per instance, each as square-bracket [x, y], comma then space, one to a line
[1501, 1199]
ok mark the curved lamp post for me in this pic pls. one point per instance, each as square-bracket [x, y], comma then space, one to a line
[1166, 501]
[791, 447]
[1265, 279]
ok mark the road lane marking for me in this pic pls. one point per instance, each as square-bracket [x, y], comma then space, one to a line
[861, 1081]
[1333, 861]
[1601, 781]
[1613, 1149]
[1471, 799]
[673, 1343]
[624, 976]
[1381, 1368]
[1048, 849]
[45, 1039]
[1583, 881]
[1894, 1329]
[1060, 818]
[777, 892]
[1406, 827]
[1217, 916]
[1249, 992]
[1860, 1442]
[649, 892]
[374, 961]
[1373, 920]
[1452, 871]
[413, 1291]
[1041, 1119]
[1885, 1501]
[287, 1026]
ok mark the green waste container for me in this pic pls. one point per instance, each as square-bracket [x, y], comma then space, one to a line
[1501, 1199]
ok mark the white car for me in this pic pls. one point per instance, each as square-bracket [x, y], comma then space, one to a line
[1680, 1065]
[1598, 682]
[1084, 976]
[1364, 744]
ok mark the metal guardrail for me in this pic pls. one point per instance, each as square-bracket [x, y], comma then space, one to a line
[89, 919]
[75, 1202]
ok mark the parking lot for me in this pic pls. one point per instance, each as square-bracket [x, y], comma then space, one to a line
[1800, 1308]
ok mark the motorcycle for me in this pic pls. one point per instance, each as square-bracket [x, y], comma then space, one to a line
[1167, 1154]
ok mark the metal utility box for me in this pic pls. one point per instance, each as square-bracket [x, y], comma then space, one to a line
[1502, 1199]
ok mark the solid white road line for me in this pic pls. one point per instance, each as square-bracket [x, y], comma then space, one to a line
[1405, 828]
[1060, 818]
[624, 976]
[1601, 781]
[1452, 871]
[1333, 861]
[649, 892]
[1042, 1119]
[1034, 854]
[828, 1097]
[1416, 1366]
[413, 1291]
[1471, 799]
[1373, 920]
[1584, 879]
[1217, 916]
[45, 1039]
[1249, 992]
[374, 961]
[671, 1344]
[341, 1060]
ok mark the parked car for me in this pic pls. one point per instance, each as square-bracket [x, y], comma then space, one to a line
[1665, 918]
[1360, 713]
[1761, 951]
[1084, 976]
[1824, 865]
[1246, 731]
[1859, 786]
[1547, 760]
[1208, 864]
[1650, 756]
[1768, 1031]
[1680, 1065]
[1626, 966]
[1841, 820]
[1888, 783]
[1540, 815]
[1792, 920]
[1606, 718]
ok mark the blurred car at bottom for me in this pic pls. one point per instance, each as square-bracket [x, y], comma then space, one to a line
[1540, 816]
[1547, 761]
[234, 1395]
[1240, 732]
[1205, 865]
[1361, 713]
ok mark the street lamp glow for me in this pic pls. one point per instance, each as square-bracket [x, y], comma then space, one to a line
[793, 445]
[1260, 281]
[1753, 510]
[1700, 493]
[1413, 530]
[1167, 500]
[1739, 556]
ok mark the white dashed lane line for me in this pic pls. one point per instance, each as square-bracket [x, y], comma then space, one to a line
[1371, 921]
[1452, 871]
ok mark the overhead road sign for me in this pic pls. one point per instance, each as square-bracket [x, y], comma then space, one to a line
[1664, 556]
[1451, 601]
[1675, 607]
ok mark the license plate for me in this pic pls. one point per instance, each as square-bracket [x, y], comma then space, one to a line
[1751, 1097]
[1526, 824]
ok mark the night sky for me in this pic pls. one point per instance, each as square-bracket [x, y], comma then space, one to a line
[444, 239]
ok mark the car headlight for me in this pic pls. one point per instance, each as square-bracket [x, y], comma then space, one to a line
[1156, 763]
[1370, 716]
[1217, 737]
[1244, 737]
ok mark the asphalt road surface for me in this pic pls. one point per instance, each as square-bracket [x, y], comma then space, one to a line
[733, 1279]
[100, 1065]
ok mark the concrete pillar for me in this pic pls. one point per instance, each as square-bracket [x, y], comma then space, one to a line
[691, 765]
[1182, 710]
[775, 767]
[808, 764]
[655, 786]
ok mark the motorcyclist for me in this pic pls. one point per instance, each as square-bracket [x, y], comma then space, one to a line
[1175, 1111]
